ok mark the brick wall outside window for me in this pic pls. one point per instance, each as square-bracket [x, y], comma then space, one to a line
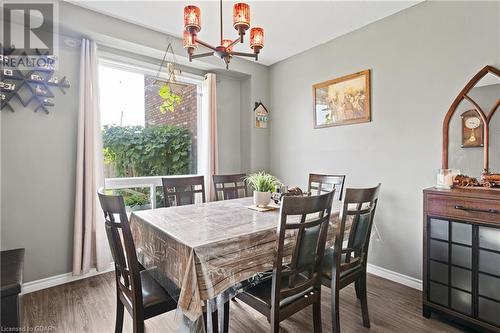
[184, 115]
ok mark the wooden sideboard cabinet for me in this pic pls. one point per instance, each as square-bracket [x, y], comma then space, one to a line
[461, 261]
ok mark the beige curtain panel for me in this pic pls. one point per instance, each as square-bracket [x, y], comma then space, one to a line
[90, 249]
[208, 161]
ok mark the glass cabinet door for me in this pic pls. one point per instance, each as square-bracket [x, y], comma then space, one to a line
[489, 275]
[461, 267]
[439, 261]
[464, 268]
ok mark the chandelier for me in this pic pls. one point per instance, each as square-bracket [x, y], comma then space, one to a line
[241, 22]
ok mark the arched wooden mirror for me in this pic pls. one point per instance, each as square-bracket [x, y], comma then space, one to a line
[471, 131]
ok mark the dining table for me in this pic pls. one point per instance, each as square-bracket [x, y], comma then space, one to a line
[204, 254]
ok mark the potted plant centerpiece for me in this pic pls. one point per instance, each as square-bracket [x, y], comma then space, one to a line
[263, 185]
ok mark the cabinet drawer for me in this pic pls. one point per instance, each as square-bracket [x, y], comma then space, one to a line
[464, 208]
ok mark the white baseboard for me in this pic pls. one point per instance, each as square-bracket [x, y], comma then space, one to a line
[56, 280]
[69, 277]
[395, 276]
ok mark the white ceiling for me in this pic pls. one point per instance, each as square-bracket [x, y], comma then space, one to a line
[290, 27]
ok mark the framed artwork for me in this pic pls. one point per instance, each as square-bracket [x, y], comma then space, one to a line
[261, 115]
[342, 101]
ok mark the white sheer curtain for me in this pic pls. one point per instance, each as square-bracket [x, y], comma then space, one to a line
[208, 153]
[90, 248]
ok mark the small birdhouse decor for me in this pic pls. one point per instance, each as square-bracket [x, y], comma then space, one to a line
[261, 115]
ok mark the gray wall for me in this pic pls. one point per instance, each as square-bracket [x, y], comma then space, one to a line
[420, 59]
[228, 124]
[38, 176]
[38, 151]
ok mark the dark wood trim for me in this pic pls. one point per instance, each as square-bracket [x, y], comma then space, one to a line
[493, 110]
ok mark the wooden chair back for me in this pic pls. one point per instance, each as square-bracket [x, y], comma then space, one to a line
[127, 270]
[230, 186]
[359, 205]
[320, 184]
[307, 253]
[182, 191]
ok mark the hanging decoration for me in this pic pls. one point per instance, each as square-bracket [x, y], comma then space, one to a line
[241, 22]
[261, 115]
[171, 90]
[29, 86]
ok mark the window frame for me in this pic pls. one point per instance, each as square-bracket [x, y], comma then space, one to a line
[147, 68]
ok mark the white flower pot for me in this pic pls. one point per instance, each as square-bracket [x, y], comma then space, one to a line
[261, 199]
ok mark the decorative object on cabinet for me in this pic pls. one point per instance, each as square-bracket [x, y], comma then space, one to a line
[465, 181]
[481, 113]
[446, 178]
[472, 129]
[342, 101]
[461, 259]
[29, 86]
[261, 115]
[491, 179]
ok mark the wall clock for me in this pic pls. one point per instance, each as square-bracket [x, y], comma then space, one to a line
[472, 129]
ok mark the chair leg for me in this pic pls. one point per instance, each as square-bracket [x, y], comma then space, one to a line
[138, 325]
[356, 287]
[335, 308]
[317, 315]
[275, 322]
[364, 301]
[119, 317]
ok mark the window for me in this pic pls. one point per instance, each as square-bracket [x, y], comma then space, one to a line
[140, 137]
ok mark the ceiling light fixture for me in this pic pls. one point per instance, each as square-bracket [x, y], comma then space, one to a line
[241, 22]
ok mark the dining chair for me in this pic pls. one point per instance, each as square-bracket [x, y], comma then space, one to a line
[319, 184]
[345, 265]
[136, 290]
[230, 186]
[296, 284]
[183, 190]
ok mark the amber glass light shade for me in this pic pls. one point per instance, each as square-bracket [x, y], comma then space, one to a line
[189, 40]
[192, 19]
[256, 38]
[241, 16]
[226, 43]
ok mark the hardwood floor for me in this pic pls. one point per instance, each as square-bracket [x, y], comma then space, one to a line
[89, 306]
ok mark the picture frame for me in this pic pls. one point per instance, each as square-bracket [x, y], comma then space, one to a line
[342, 101]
